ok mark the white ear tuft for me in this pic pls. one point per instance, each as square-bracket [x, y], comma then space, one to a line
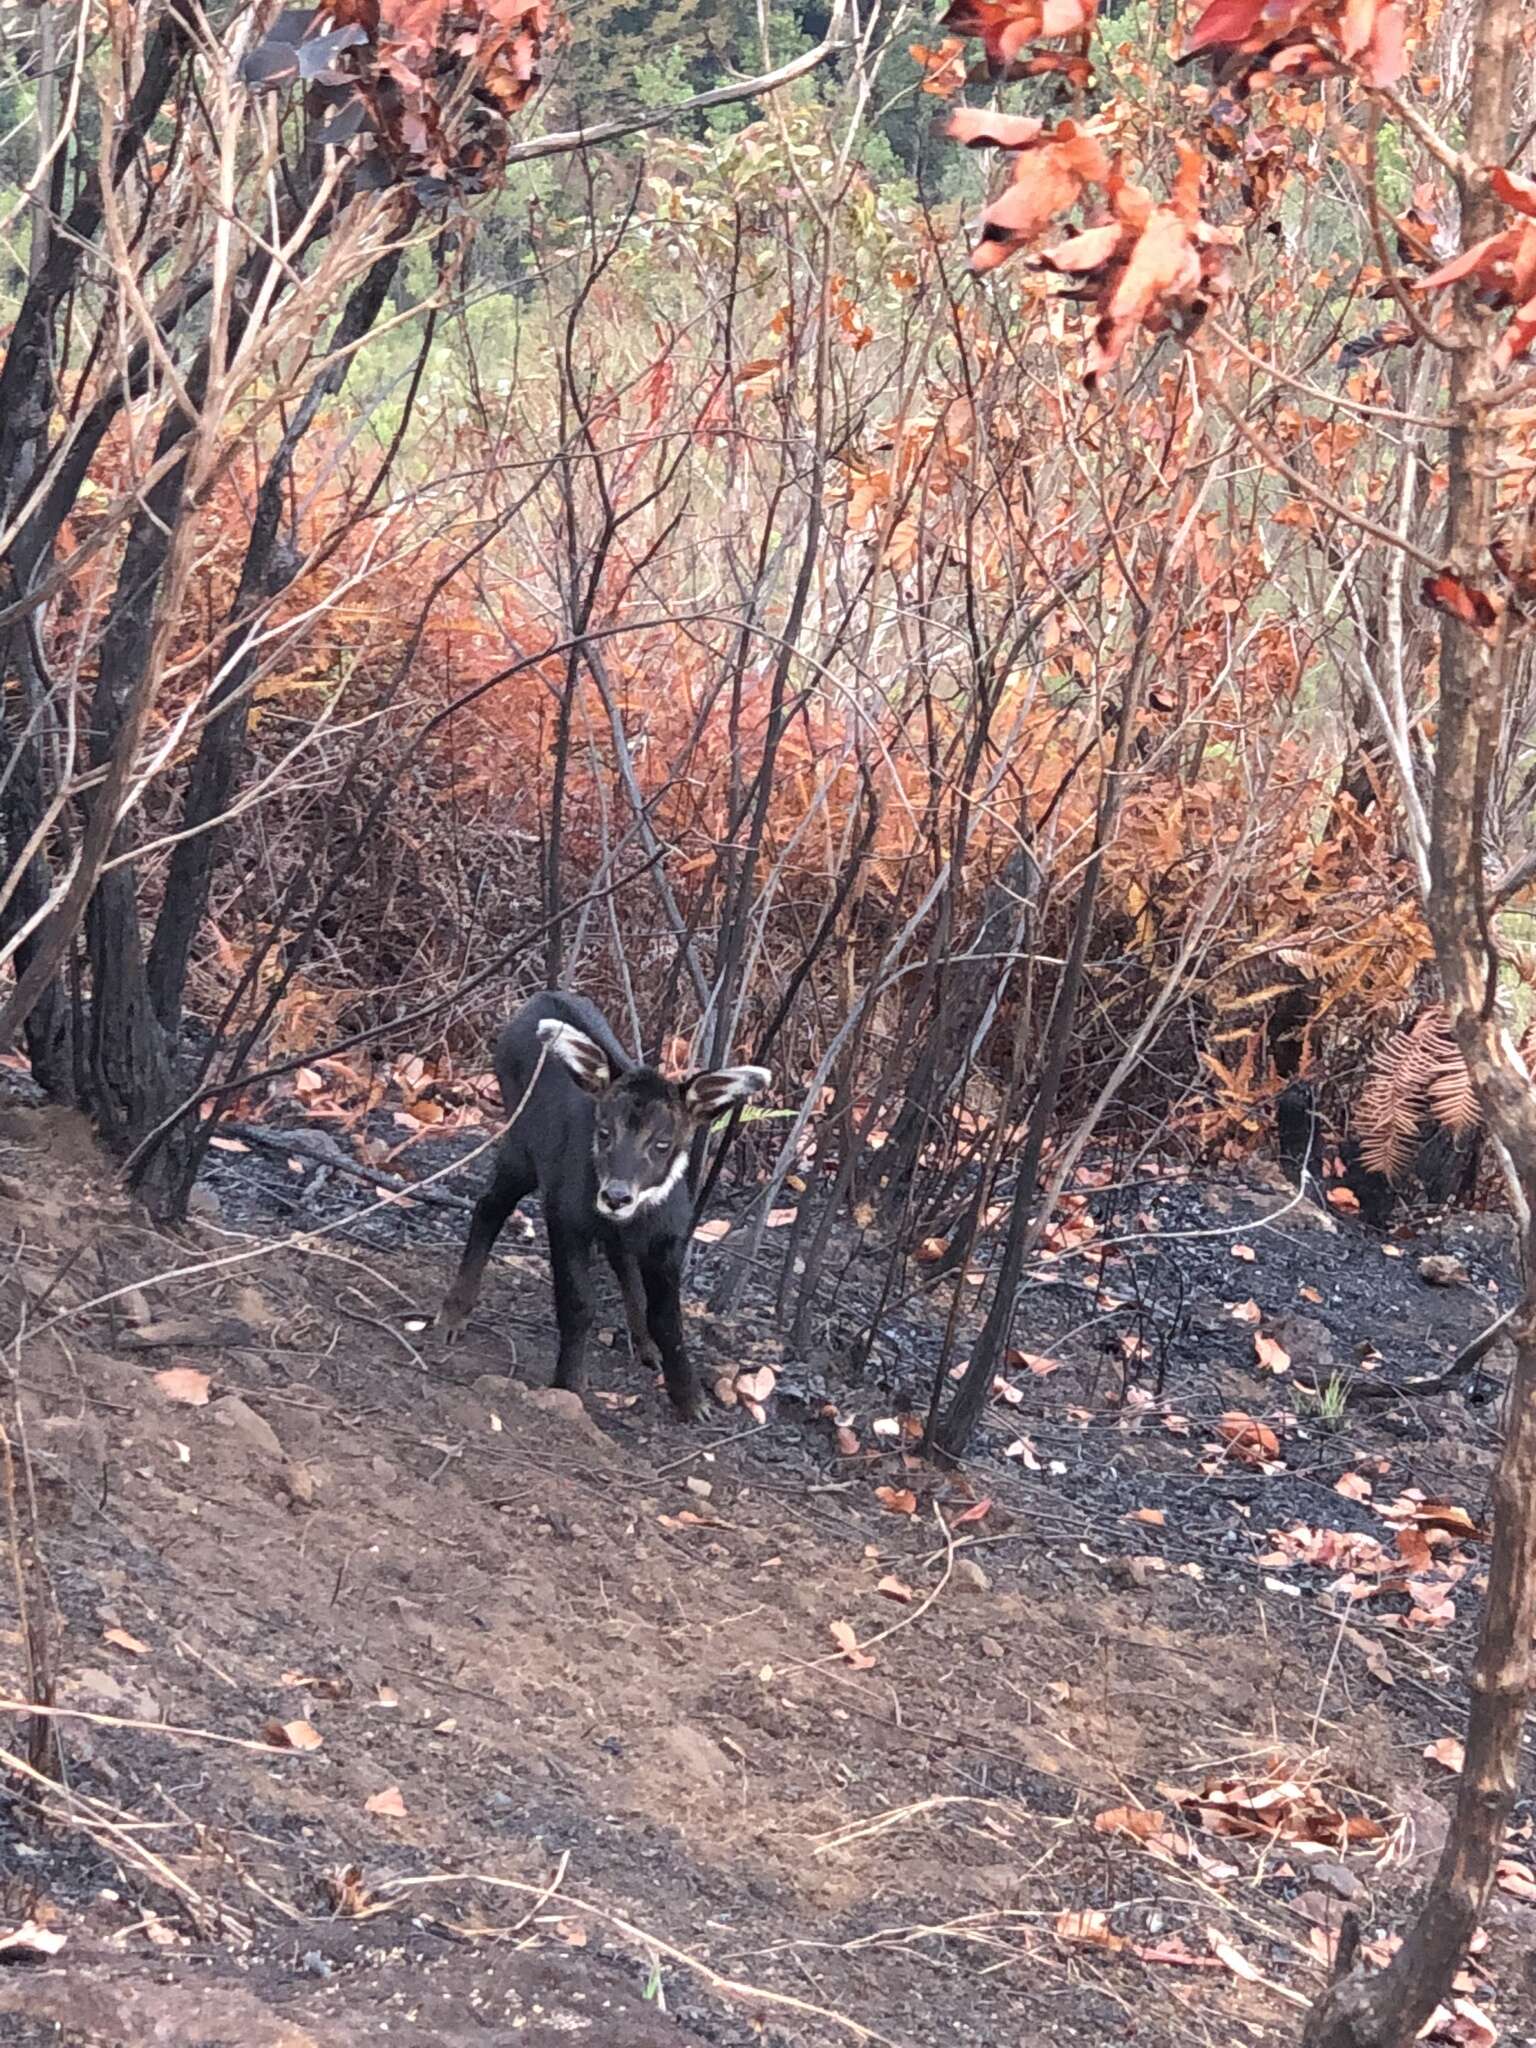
[709, 1095]
[584, 1060]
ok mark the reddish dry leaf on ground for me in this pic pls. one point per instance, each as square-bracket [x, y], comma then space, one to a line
[1249, 1441]
[1089, 1928]
[1518, 1879]
[1274, 1806]
[1033, 1362]
[390, 1803]
[1245, 1312]
[1245, 1252]
[291, 1735]
[976, 1512]
[842, 1633]
[897, 1500]
[1353, 1486]
[896, 1589]
[1449, 1752]
[184, 1385]
[1272, 1355]
[1154, 1516]
[120, 1639]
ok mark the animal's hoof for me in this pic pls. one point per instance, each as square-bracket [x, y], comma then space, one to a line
[449, 1324]
[690, 1407]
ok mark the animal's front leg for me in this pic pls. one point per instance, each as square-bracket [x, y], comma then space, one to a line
[569, 1255]
[663, 1279]
[627, 1271]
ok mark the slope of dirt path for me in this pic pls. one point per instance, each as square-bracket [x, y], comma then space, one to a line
[566, 1744]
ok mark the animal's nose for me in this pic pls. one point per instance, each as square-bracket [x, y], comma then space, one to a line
[617, 1194]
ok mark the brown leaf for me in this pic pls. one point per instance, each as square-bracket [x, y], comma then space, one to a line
[897, 1500]
[1449, 1752]
[847, 1443]
[1343, 1198]
[1243, 1251]
[292, 1735]
[389, 1803]
[895, 1589]
[976, 1512]
[1088, 1928]
[1142, 1822]
[181, 1383]
[1154, 1516]
[1448, 593]
[1246, 1312]
[1353, 1486]
[843, 1635]
[120, 1639]
[1272, 1355]
[712, 1231]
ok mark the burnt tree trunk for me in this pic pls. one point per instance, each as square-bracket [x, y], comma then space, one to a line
[1390, 2010]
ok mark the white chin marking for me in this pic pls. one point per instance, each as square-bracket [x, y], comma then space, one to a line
[650, 1198]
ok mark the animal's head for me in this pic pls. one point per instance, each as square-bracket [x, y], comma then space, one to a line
[644, 1122]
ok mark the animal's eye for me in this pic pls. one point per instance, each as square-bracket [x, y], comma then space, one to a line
[604, 1132]
[661, 1148]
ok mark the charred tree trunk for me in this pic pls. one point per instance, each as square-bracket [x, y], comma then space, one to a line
[1390, 2010]
[216, 768]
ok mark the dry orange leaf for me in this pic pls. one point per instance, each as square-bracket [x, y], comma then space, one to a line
[389, 1802]
[895, 1589]
[843, 1635]
[712, 1231]
[181, 1383]
[1245, 1312]
[120, 1639]
[1449, 1753]
[1353, 1486]
[1245, 1252]
[1089, 1928]
[1141, 1821]
[897, 1500]
[291, 1735]
[1271, 1354]
[1155, 1516]
[1344, 1198]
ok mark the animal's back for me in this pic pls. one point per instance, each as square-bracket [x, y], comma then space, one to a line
[519, 1045]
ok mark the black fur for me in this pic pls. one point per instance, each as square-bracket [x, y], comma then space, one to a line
[549, 1146]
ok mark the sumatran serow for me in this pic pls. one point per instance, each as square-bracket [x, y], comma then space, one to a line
[605, 1141]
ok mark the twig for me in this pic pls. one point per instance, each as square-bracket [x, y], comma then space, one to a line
[727, 1987]
[323, 1150]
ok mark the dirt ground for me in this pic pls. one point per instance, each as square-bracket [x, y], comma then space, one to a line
[399, 1696]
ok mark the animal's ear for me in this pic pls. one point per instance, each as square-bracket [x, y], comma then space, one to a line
[706, 1096]
[582, 1057]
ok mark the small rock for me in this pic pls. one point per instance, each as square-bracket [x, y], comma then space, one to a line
[135, 1306]
[253, 1429]
[300, 1484]
[317, 1965]
[1337, 1878]
[701, 1487]
[494, 1386]
[1320, 1908]
[969, 1576]
[991, 1647]
[562, 1402]
[1440, 1269]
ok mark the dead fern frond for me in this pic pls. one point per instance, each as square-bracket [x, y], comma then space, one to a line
[1419, 1076]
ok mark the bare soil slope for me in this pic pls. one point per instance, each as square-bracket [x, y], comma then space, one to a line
[570, 1749]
